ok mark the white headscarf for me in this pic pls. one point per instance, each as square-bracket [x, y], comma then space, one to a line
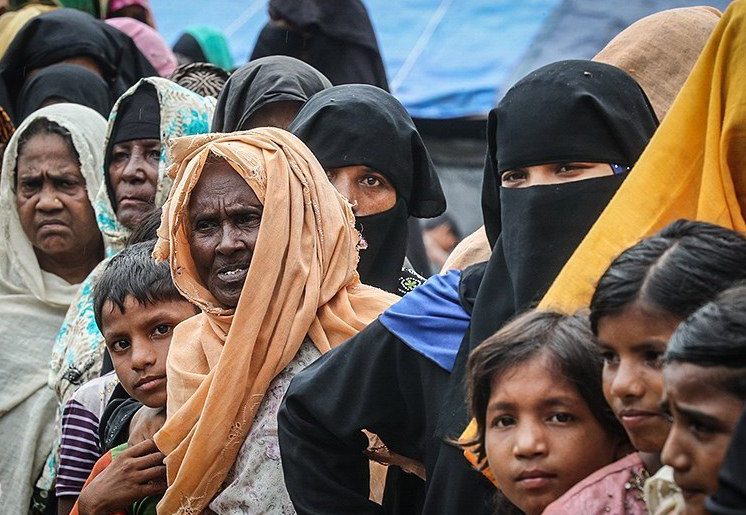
[32, 306]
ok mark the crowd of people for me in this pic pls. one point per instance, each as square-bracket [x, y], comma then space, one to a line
[208, 302]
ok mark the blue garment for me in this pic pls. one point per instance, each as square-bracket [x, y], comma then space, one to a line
[430, 319]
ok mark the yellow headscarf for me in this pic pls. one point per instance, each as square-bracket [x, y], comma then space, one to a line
[302, 281]
[694, 166]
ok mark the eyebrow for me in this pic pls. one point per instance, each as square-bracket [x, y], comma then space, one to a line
[545, 403]
[644, 345]
[698, 415]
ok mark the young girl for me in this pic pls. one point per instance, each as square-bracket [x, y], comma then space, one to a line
[646, 292]
[535, 391]
[705, 376]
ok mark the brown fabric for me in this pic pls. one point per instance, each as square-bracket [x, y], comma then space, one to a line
[473, 249]
[301, 281]
[660, 50]
[6, 127]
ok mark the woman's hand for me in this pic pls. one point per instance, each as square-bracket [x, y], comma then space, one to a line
[145, 423]
[133, 475]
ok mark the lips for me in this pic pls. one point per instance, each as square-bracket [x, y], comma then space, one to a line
[132, 201]
[150, 383]
[632, 418]
[232, 274]
[535, 479]
[50, 223]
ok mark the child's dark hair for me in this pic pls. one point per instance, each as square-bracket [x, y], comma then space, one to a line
[676, 271]
[42, 126]
[569, 344]
[134, 273]
[715, 336]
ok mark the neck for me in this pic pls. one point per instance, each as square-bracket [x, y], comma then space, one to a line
[652, 461]
[73, 269]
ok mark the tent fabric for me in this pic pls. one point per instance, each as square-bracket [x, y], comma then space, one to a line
[448, 59]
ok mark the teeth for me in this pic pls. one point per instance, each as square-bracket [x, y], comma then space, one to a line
[234, 272]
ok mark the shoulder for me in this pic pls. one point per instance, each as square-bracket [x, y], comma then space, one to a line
[408, 281]
[431, 319]
[94, 394]
[616, 488]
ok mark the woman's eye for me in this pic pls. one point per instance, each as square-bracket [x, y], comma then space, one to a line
[503, 421]
[204, 225]
[162, 330]
[513, 177]
[120, 345]
[247, 219]
[562, 418]
[371, 181]
[119, 156]
[29, 186]
[154, 154]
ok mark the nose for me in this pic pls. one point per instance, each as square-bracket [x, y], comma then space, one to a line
[674, 452]
[134, 170]
[529, 441]
[143, 355]
[230, 240]
[346, 188]
[627, 383]
[48, 200]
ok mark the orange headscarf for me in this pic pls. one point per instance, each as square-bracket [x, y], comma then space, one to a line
[302, 281]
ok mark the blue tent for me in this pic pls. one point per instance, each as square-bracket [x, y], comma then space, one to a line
[446, 58]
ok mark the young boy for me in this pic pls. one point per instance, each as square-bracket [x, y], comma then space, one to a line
[136, 308]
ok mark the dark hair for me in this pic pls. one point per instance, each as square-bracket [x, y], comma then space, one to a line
[444, 219]
[134, 273]
[44, 126]
[715, 336]
[147, 229]
[676, 271]
[569, 343]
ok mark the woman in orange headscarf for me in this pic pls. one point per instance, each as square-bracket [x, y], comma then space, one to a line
[260, 240]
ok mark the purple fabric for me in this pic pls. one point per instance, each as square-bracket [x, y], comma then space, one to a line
[79, 449]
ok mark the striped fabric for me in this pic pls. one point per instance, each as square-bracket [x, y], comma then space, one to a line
[78, 450]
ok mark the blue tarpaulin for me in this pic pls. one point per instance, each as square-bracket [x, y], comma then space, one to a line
[448, 58]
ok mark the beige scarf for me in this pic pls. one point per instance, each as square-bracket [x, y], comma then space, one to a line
[302, 281]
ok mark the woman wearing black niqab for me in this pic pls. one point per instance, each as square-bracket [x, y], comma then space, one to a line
[405, 372]
[62, 82]
[363, 126]
[267, 92]
[69, 35]
[334, 36]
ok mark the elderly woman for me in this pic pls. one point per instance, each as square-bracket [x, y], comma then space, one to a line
[260, 240]
[373, 154]
[51, 173]
[135, 182]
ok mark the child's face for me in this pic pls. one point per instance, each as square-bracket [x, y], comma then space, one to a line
[633, 343]
[138, 339]
[541, 438]
[704, 418]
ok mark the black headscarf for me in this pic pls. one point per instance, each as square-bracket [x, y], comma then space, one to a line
[363, 125]
[334, 36]
[565, 111]
[188, 46]
[64, 33]
[138, 117]
[262, 82]
[67, 82]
